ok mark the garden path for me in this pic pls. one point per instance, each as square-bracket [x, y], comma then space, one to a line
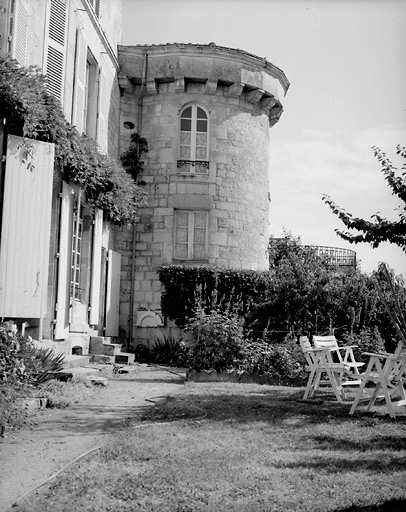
[30, 456]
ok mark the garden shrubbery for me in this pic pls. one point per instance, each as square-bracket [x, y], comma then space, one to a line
[250, 321]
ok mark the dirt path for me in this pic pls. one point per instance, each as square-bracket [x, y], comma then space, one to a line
[30, 456]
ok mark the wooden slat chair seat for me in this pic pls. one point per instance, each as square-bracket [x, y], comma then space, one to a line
[387, 372]
[344, 354]
[324, 372]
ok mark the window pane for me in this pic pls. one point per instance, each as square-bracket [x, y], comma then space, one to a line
[200, 219]
[201, 153]
[181, 235]
[200, 236]
[181, 218]
[199, 251]
[181, 251]
[187, 113]
[185, 138]
[201, 126]
[186, 125]
[201, 139]
[201, 114]
[185, 152]
[201, 169]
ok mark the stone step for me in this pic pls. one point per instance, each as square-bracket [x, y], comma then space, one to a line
[72, 361]
[98, 346]
[101, 359]
[124, 358]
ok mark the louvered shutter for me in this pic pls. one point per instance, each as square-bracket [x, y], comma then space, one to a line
[64, 263]
[20, 31]
[95, 6]
[102, 112]
[113, 293]
[25, 233]
[55, 59]
[96, 267]
[79, 98]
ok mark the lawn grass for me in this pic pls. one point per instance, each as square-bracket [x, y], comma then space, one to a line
[233, 447]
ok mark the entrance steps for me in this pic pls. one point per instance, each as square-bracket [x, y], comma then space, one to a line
[102, 346]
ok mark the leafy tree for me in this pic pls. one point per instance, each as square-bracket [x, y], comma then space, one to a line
[380, 229]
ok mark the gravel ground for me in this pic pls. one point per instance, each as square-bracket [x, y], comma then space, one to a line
[30, 456]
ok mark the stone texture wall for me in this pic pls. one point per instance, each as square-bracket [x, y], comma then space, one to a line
[234, 191]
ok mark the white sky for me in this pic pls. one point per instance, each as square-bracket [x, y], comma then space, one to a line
[346, 62]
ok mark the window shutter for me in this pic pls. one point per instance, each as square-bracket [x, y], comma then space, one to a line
[113, 293]
[64, 263]
[96, 267]
[25, 231]
[80, 83]
[55, 59]
[20, 31]
[102, 112]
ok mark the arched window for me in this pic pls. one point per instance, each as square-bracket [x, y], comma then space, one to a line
[193, 149]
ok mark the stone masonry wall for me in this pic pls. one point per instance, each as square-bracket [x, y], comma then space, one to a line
[235, 190]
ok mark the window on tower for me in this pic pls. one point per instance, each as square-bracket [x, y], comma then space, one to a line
[191, 235]
[193, 140]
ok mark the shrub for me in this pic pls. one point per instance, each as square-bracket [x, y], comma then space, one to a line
[21, 361]
[282, 359]
[169, 351]
[209, 287]
[216, 340]
[367, 340]
[142, 353]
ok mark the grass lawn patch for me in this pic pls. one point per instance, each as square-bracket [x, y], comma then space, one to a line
[232, 447]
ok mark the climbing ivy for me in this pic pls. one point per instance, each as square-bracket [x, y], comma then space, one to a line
[33, 113]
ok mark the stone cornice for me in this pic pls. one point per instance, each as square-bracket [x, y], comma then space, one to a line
[206, 50]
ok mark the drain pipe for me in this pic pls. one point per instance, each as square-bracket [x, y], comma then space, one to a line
[139, 129]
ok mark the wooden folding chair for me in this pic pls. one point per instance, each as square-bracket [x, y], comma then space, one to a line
[388, 373]
[344, 354]
[324, 372]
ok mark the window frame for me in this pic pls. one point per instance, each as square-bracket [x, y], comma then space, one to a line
[191, 235]
[193, 166]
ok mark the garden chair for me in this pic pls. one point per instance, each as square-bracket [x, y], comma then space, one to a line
[387, 372]
[324, 372]
[344, 354]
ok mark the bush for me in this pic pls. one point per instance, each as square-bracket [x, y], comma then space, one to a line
[169, 351]
[209, 287]
[216, 340]
[367, 340]
[21, 361]
[281, 359]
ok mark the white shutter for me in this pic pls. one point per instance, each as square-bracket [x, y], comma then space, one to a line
[79, 98]
[55, 58]
[25, 233]
[113, 293]
[20, 31]
[103, 112]
[64, 263]
[96, 267]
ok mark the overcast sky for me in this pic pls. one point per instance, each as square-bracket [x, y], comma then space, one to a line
[346, 62]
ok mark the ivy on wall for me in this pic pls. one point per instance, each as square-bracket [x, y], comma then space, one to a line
[33, 113]
[210, 287]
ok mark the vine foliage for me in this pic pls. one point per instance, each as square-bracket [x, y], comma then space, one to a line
[31, 112]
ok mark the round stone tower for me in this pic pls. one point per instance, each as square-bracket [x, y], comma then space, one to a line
[205, 111]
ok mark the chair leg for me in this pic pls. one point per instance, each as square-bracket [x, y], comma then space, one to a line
[362, 386]
[309, 391]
